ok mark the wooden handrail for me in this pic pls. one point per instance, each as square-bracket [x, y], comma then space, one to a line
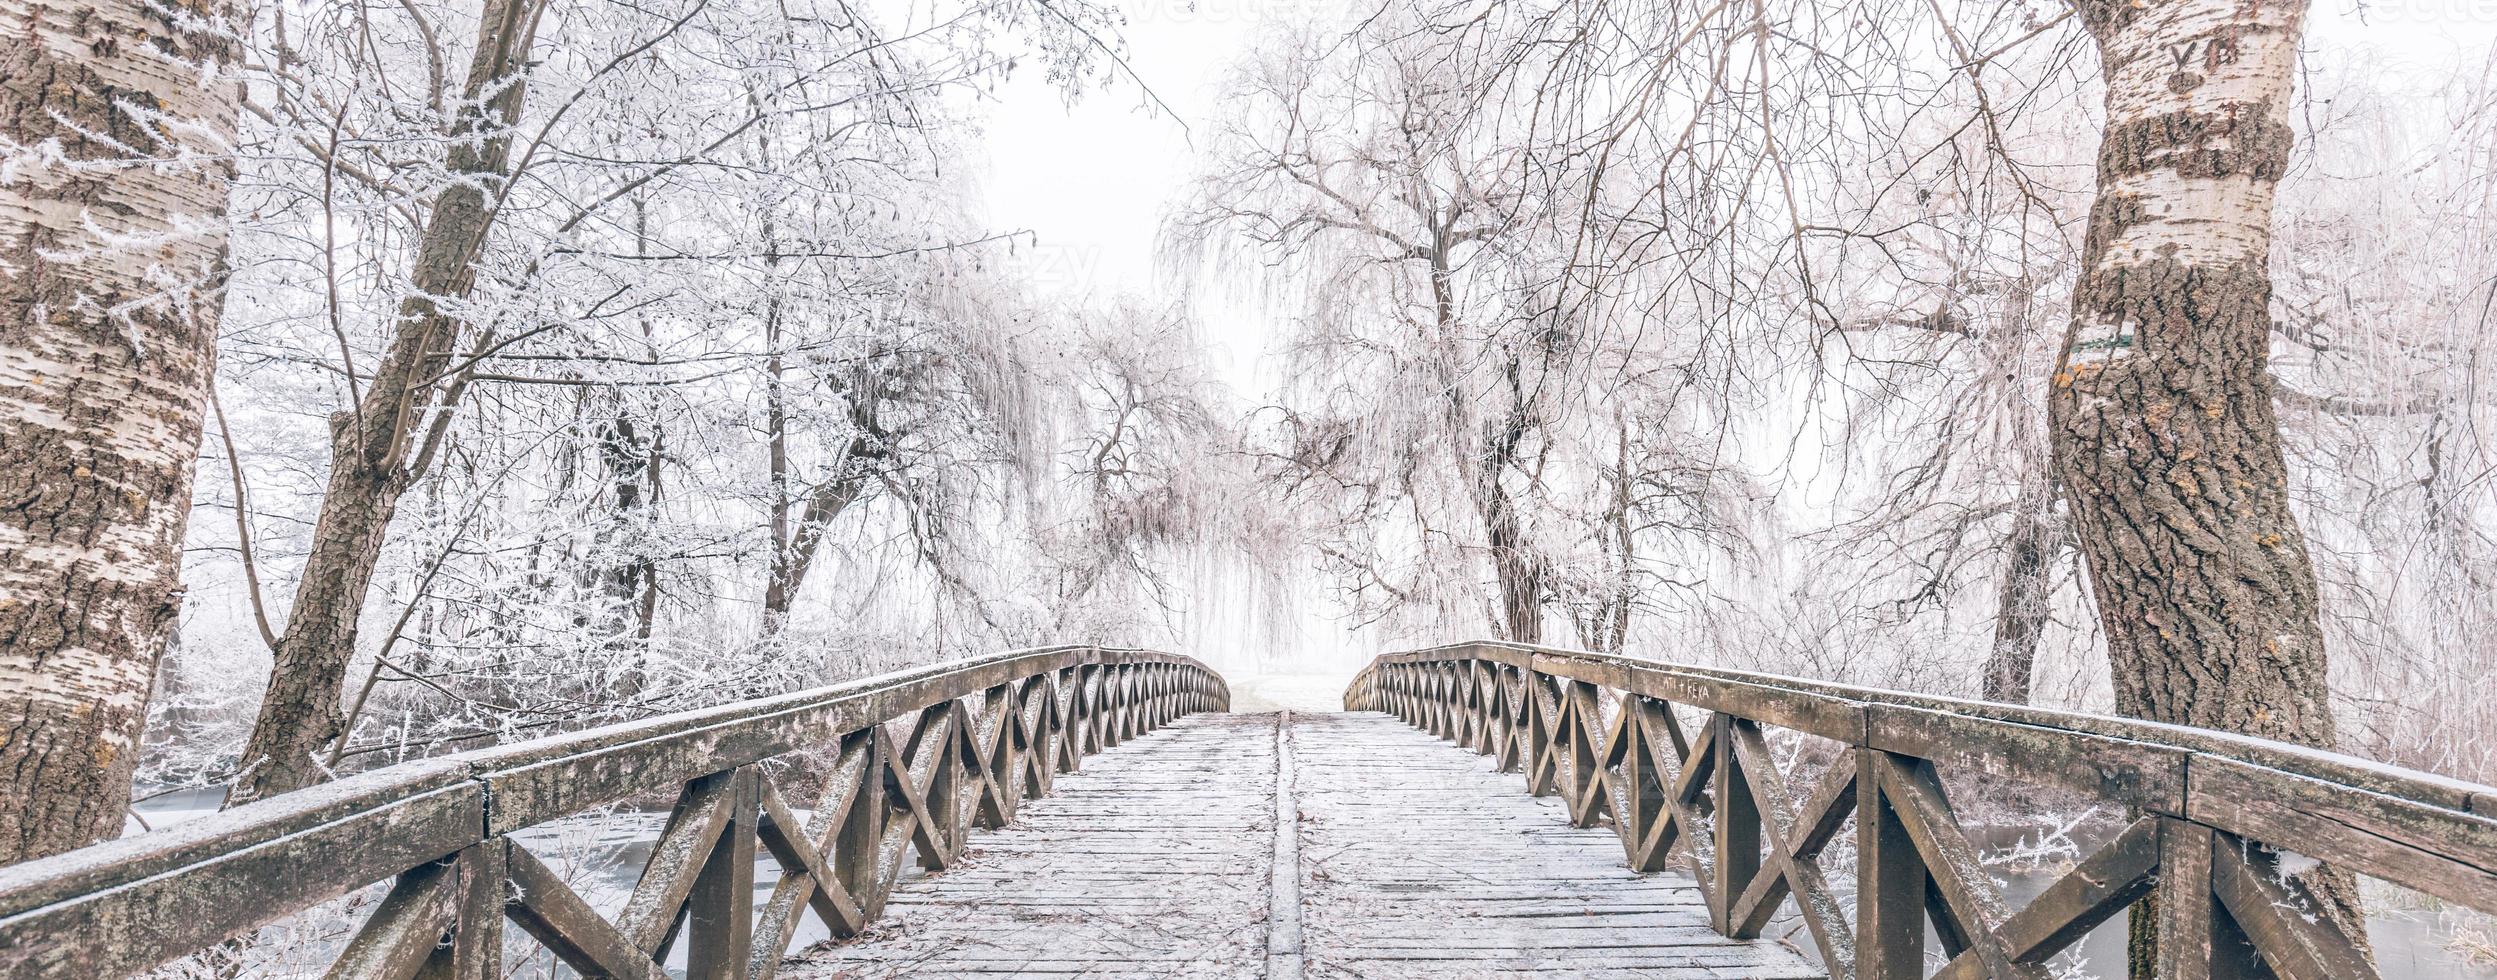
[2217, 817]
[983, 734]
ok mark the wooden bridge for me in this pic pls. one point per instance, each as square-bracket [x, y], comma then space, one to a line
[1080, 811]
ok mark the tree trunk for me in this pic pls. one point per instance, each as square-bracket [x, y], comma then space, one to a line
[2165, 435]
[627, 587]
[1518, 566]
[370, 447]
[112, 272]
[2023, 607]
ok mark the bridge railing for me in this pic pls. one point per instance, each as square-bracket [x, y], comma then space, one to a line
[912, 758]
[2223, 829]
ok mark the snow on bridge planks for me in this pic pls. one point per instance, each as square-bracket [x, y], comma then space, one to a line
[1415, 860]
[1420, 861]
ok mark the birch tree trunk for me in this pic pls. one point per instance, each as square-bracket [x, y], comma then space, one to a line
[2165, 435]
[2164, 430]
[112, 269]
[374, 453]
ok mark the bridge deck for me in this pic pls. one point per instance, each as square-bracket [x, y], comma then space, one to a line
[1410, 858]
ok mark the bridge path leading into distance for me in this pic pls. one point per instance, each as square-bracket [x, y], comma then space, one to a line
[1182, 854]
[1476, 810]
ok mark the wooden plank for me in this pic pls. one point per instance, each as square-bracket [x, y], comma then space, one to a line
[1429, 863]
[550, 911]
[2135, 774]
[2296, 939]
[1156, 852]
[2417, 846]
[124, 906]
[400, 935]
[1414, 859]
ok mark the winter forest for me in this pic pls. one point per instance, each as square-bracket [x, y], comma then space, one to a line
[380, 381]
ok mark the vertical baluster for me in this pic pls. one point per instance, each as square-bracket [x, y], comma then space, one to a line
[1510, 757]
[1001, 714]
[476, 947]
[1736, 827]
[2197, 938]
[858, 852]
[1043, 721]
[1113, 706]
[1584, 753]
[720, 910]
[1078, 738]
[935, 740]
[1541, 719]
[1484, 711]
[1890, 882]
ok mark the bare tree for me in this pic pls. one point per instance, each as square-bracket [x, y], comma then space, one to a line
[112, 268]
[380, 448]
[1363, 177]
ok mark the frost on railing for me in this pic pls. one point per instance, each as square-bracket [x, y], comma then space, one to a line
[2249, 847]
[415, 869]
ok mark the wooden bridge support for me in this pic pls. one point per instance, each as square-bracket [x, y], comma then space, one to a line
[917, 759]
[2217, 817]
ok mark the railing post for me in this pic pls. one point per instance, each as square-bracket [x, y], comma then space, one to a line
[1081, 726]
[475, 950]
[720, 910]
[1484, 701]
[858, 852]
[1890, 882]
[1046, 726]
[1736, 827]
[1502, 721]
[1541, 767]
[1583, 712]
[2197, 938]
[940, 731]
[1117, 704]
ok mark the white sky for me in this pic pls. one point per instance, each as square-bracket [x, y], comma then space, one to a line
[1096, 179]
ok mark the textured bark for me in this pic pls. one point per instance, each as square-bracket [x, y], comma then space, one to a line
[2165, 435]
[370, 447]
[112, 265]
[2023, 601]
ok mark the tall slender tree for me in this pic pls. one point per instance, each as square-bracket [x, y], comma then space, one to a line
[380, 448]
[114, 126]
